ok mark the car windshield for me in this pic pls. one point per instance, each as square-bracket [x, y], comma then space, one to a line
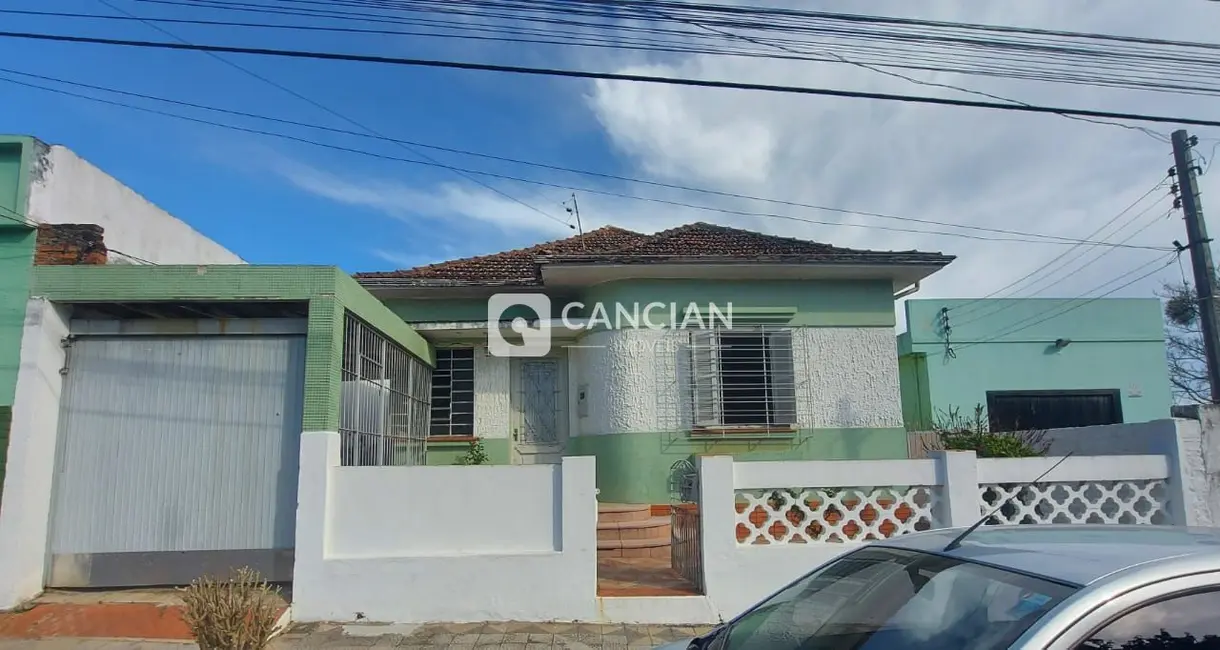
[890, 599]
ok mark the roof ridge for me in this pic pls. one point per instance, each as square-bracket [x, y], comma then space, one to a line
[511, 251]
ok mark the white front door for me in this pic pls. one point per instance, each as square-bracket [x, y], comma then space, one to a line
[540, 414]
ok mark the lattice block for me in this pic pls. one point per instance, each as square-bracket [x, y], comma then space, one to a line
[1077, 502]
[804, 515]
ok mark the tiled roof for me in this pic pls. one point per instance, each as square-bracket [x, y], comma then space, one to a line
[696, 242]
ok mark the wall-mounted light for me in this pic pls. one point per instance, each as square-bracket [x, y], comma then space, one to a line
[1062, 343]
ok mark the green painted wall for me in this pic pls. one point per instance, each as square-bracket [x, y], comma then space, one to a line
[16, 257]
[635, 467]
[816, 303]
[917, 411]
[1116, 344]
[447, 453]
[825, 303]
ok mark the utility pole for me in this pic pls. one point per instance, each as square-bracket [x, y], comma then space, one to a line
[1199, 245]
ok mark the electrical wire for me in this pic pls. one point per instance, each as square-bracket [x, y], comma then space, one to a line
[16, 217]
[1022, 325]
[629, 179]
[588, 190]
[1164, 73]
[962, 309]
[335, 113]
[608, 76]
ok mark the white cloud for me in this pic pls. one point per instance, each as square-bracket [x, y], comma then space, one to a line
[1016, 171]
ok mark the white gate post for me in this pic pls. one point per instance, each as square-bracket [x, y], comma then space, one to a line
[717, 525]
[958, 474]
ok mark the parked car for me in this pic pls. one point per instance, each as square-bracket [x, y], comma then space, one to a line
[1047, 587]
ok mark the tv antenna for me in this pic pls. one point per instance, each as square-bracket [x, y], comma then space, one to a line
[957, 541]
[574, 210]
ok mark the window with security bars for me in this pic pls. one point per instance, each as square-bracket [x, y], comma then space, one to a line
[383, 405]
[742, 378]
[453, 393]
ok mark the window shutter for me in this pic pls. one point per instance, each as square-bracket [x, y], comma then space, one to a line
[782, 378]
[705, 378]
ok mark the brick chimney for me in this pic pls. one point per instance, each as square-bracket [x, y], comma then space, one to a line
[68, 244]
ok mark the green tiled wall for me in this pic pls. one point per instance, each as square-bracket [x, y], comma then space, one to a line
[328, 291]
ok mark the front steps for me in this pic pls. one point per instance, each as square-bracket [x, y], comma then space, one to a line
[629, 530]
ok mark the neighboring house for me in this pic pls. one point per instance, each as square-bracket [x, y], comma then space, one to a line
[1035, 363]
[808, 370]
[55, 209]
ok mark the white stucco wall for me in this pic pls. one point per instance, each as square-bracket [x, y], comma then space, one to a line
[362, 551]
[491, 395]
[26, 507]
[846, 377]
[66, 188]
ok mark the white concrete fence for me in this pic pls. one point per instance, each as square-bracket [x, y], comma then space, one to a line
[419, 544]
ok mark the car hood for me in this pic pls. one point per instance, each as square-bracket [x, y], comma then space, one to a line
[680, 644]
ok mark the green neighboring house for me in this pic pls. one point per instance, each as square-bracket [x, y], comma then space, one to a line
[807, 370]
[1035, 363]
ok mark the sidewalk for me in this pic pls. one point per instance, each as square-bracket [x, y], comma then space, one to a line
[455, 636]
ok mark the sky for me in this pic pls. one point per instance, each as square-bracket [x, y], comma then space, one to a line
[274, 200]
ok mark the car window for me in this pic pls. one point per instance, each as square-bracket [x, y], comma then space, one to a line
[1189, 621]
[890, 599]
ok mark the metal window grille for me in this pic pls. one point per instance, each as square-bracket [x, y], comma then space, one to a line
[453, 393]
[742, 377]
[384, 404]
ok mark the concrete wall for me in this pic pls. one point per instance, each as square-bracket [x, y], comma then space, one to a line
[1116, 344]
[65, 188]
[26, 507]
[448, 553]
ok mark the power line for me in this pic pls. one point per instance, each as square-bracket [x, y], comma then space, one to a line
[608, 76]
[589, 190]
[318, 105]
[685, 188]
[1039, 269]
[17, 217]
[1093, 299]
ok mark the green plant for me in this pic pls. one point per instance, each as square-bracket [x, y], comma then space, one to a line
[235, 614]
[955, 432]
[476, 455]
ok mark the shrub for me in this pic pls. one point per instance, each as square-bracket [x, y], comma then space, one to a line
[235, 614]
[477, 455]
[955, 432]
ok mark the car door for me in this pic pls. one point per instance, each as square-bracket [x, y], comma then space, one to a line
[1173, 614]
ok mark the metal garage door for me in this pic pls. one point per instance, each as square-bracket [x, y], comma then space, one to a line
[177, 458]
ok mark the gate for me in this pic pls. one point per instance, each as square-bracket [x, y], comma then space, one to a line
[686, 544]
[177, 457]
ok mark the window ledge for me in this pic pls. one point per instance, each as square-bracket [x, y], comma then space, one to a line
[744, 432]
[451, 440]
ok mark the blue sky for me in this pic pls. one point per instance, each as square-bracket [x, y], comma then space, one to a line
[224, 182]
[275, 201]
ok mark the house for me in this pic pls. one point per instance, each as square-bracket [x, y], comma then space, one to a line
[1035, 363]
[154, 388]
[807, 369]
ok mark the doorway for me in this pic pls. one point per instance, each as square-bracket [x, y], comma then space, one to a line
[539, 409]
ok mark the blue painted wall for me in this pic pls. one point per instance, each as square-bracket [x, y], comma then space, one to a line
[1116, 344]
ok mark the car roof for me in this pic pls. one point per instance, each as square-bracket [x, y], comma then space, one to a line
[1078, 554]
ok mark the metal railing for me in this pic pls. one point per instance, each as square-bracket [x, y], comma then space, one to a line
[686, 543]
[385, 399]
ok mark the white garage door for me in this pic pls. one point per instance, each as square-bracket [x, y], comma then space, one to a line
[177, 458]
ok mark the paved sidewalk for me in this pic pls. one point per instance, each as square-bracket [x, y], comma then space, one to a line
[455, 636]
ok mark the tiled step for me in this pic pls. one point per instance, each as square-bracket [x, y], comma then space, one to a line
[655, 528]
[658, 548]
[615, 512]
